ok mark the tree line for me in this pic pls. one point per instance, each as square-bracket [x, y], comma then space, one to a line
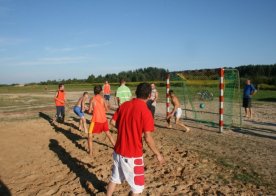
[259, 74]
[143, 74]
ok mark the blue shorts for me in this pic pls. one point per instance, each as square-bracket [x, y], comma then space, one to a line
[78, 111]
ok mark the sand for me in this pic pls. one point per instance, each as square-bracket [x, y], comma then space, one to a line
[40, 158]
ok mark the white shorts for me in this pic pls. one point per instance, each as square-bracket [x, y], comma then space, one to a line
[129, 169]
[178, 113]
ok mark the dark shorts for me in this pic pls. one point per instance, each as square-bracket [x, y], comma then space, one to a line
[60, 115]
[151, 107]
[107, 97]
[246, 103]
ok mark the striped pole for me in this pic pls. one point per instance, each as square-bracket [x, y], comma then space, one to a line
[221, 99]
[167, 95]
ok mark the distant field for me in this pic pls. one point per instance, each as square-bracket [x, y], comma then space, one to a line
[262, 95]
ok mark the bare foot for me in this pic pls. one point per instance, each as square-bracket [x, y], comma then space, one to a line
[169, 126]
[187, 129]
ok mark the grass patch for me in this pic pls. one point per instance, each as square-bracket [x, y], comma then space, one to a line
[225, 163]
[23, 100]
[241, 173]
[265, 95]
[248, 177]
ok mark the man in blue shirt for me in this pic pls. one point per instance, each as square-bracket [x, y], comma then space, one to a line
[248, 91]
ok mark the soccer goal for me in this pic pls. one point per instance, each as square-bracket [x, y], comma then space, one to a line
[211, 96]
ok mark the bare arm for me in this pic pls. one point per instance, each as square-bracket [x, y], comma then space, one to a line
[106, 107]
[113, 122]
[156, 96]
[55, 98]
[91, 104]
[83, 104]
[151, 144]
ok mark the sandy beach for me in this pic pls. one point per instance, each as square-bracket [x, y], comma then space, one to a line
[40, 158]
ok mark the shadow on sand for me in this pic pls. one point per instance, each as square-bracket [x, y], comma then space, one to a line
[78, 168]
[255, 132]
[4, 190]
[265, 124]
[193, 124]
[71, 136]
[78, 120]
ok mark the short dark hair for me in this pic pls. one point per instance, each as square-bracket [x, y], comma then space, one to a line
[171, 92]
[60, 85]
[97, 89]
[122, 80]
[143, 90]
[85, 93]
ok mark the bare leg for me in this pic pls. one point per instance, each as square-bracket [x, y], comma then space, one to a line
[84, 124]
[250, 112]
[80, 124]
[246, 112]
[169, 123]
[108, 134]
[90, 142]
[110, 188]
[177, 121]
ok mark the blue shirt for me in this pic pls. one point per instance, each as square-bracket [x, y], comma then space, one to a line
[248, 90]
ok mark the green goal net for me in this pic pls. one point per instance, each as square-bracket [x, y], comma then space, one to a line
[200, 96]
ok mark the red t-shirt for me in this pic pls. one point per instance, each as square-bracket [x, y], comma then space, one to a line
[133, 118]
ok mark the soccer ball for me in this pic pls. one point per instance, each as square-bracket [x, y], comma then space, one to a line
[202, 105]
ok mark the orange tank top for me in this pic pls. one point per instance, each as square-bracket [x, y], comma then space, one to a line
[60, 96]
[106, 89]
[98, 110]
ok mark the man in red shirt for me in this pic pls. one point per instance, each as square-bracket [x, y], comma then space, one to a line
[132, 119]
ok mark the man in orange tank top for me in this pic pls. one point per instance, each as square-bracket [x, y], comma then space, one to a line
[106, 91]
[60, 103]
[99, 123]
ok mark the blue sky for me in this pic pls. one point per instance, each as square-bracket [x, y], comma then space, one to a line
[61, 39]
